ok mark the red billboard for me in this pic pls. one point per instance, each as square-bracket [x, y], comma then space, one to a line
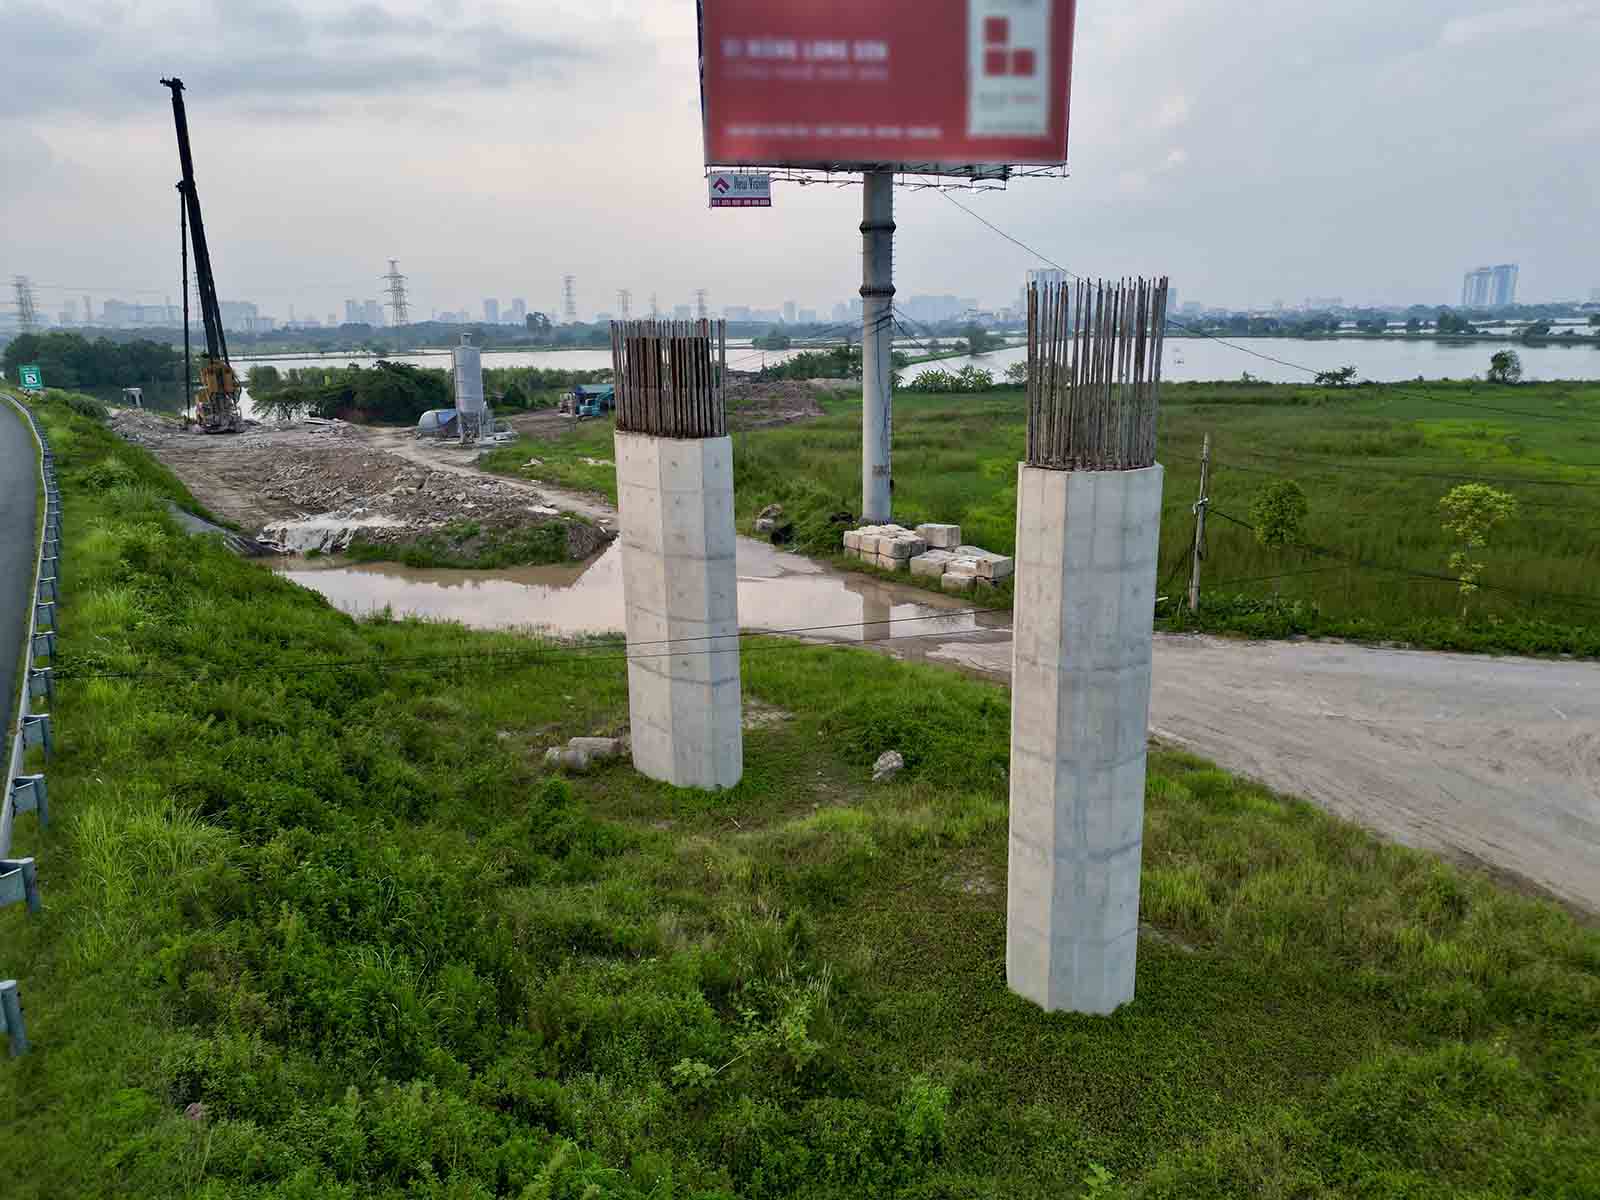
[920, 83]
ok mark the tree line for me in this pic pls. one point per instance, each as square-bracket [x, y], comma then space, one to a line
[70, 360]
[398, 393]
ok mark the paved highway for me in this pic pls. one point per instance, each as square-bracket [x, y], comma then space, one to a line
[19, 500]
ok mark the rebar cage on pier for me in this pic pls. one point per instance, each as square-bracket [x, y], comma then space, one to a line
[670, 377]
[1094, 373]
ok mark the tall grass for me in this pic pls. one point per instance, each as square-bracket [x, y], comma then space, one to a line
[349, 916]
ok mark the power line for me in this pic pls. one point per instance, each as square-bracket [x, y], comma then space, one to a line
[1283, 362]
[1437, 576]
[570, 652]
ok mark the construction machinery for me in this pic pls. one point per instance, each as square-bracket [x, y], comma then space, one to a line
[217, 397]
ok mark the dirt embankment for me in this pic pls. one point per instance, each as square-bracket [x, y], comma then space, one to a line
[326, 485]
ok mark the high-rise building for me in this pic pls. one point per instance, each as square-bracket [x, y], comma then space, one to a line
[352, 313]
[789, 311]
[681, 312]
[519, 311]
[808, 316]
[372, 314]
[737, 312]
[1594, 297]
[1503, 289]
[841, 313]
[1475, 287]
[491, 312]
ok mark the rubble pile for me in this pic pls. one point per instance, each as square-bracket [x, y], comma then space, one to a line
[932, 551]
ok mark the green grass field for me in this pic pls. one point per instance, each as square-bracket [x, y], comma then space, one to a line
[310, 873]
[1372, 461]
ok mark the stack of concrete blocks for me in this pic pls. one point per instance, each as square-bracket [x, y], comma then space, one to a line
[932, 550]
[1080, 705]
[680, 587]
[891, 547]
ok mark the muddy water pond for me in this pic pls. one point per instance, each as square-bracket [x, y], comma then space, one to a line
[777, 591]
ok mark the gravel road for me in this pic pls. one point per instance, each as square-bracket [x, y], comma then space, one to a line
[1490, 761]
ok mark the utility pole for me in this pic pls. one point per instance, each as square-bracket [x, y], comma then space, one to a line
[1199, 525]
[877, 311]
[569, 299]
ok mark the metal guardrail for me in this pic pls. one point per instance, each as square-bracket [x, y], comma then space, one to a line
[26, 792]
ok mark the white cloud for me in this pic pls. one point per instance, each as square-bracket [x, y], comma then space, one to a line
[1527, 18]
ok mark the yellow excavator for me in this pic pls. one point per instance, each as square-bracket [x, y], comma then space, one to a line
[217, 397]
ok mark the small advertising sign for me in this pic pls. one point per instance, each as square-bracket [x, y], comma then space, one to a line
[739, 190]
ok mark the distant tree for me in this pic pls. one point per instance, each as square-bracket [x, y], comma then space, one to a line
[262, 380]
[1339, 377]
[1471, 512]
[1377, 325]
[537, 322]
[1278, 512]
[1449, 322]
[775, 339]
[1594, 319]
[1504, 367]
[1535, 330]
[1413, 325]
[978, 342]
[1017, 374]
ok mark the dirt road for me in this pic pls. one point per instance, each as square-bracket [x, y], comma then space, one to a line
[1489, 761]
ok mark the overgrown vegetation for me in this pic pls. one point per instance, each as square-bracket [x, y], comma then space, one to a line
[471, 545]
[1371, 558]
[347, 916]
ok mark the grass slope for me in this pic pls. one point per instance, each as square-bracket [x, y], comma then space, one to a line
[348, 912]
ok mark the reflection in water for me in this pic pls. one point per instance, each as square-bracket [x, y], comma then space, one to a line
[777, 592]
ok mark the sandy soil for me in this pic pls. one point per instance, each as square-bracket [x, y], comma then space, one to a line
[317, 484]
[1494, 762]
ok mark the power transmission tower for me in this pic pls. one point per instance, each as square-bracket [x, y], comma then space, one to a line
[624, 302]
[27, 315]
[700, 303]
[397, 294]
[569, 299]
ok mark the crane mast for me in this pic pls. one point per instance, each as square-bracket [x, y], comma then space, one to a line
[217, 402]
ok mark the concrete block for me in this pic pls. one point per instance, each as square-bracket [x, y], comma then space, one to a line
[903, 546]
[852, 539]
[941, 537]
[995, 566]
[931, 563]
[951, 581]
[890, 562]
[1085, 590]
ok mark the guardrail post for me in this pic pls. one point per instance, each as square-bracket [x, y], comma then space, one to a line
[11, 1017]
[29, 794]
[19, 883]
[36, 731]
[42, 683]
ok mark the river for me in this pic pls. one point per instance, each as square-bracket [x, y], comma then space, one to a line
[1389, 360]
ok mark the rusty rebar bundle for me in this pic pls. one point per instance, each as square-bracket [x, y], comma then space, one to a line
[1094, 373]
[670, 377]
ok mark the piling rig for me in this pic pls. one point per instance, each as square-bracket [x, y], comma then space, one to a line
[217, 397]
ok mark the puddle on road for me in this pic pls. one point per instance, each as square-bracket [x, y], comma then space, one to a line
[777, 591]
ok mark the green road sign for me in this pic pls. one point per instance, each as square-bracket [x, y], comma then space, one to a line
[32, 378]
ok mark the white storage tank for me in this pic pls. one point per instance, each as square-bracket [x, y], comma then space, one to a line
[469, 377]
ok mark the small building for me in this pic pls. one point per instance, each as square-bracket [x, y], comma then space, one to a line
[133, 397]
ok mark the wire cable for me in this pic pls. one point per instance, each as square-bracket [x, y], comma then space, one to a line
[1283, 362]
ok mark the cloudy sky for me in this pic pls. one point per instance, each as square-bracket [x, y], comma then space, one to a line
[1370, 149]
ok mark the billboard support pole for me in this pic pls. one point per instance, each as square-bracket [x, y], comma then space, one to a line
[877, 313]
